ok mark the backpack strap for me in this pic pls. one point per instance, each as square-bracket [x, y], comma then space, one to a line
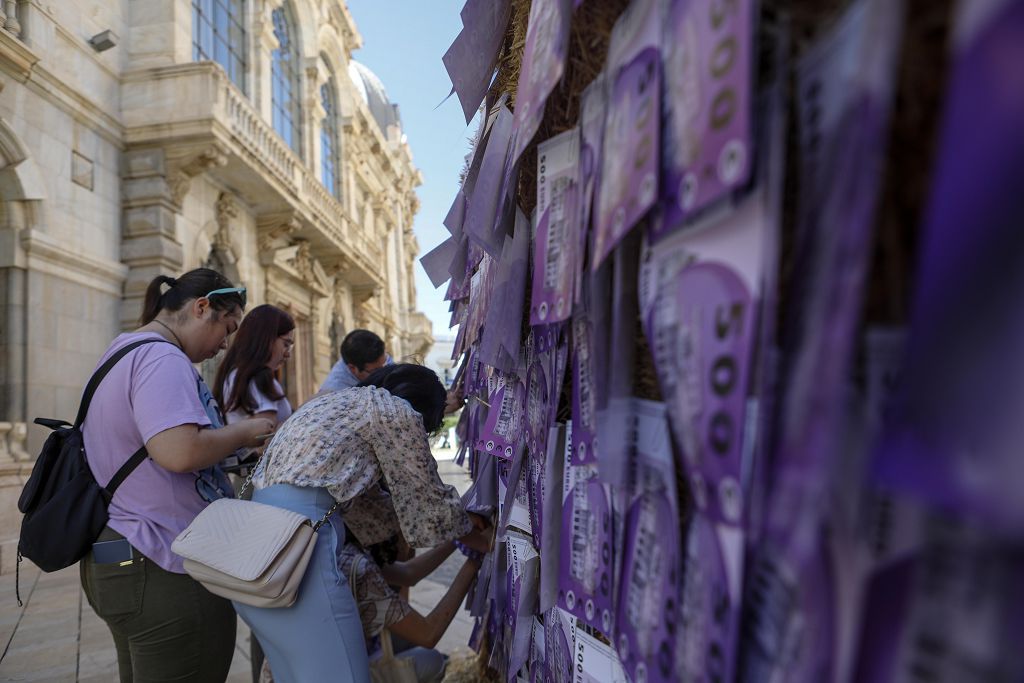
[123, 472]
[90, 389]
[100, 373]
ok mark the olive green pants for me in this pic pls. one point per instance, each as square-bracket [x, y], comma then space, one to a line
[166, 626]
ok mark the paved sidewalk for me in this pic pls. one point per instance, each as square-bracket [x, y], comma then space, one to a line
[57, 637]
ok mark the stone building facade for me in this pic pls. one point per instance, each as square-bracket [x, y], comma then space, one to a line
[141, 137]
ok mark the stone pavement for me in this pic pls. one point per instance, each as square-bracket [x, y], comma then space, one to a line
[57, 637]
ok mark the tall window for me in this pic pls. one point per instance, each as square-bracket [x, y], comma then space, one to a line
[287, 81]
[329, 138]
[218, 34]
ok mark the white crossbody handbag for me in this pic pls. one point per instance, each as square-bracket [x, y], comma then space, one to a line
[250, 552]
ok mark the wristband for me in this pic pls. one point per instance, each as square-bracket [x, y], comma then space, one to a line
[469, 552]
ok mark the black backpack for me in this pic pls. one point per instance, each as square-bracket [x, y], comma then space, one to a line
[65, 508]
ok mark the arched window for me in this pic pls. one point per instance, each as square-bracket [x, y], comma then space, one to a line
[329, 138]
[286, 77]
[218, 34]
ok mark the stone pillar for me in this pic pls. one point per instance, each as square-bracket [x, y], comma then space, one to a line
[5, 452]
[16, 442]
[149, 242]
[11, 23]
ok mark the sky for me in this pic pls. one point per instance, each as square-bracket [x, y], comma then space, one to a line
[403, 42]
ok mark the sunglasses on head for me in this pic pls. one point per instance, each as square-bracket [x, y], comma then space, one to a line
[224, 291]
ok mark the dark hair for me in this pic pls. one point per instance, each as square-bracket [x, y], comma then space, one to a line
[248, 355]
[192, 285]
[382, 553]
[361, 347]
[416, 384]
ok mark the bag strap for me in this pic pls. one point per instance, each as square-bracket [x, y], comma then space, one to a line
[138, 456]
[248, 482]
[98, 376]
[387, 649]
[123, 472]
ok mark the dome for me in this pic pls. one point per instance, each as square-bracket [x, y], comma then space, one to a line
[371, 89]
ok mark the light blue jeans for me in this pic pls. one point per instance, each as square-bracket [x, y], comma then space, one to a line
[319, 638]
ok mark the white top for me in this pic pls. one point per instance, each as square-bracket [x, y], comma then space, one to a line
[264, 404]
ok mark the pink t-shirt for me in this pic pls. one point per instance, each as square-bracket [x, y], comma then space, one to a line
[152, 389]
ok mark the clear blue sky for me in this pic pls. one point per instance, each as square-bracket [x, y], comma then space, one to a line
[403, 42]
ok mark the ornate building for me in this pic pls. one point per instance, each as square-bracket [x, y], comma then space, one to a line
[154, 136]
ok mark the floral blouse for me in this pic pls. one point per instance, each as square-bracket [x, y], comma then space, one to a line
[352, 441]
[379, 605]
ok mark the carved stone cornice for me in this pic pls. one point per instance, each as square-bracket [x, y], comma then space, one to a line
[274, 233]
[16, 58]
[362, 294]
[179, 178]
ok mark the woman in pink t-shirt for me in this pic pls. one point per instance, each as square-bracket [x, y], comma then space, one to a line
[165, 625]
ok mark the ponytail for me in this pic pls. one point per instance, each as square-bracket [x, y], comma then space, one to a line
[154, 298]
[192, 285]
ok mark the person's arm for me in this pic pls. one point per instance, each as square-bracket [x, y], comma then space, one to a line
[429, 512]
[410, 572]
[187, 448]
[425, 631]
[267, 415]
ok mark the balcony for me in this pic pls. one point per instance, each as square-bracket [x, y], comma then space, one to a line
[17, 58]
[189, 109]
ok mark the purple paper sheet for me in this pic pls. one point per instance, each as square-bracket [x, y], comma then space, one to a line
[537, 652]
[593, 109]
[789, 620]
[524, 564]
[614, 419]
[535, 498]
[503, 430]
[547, 41]
[559, 644]
[437, 261]
[846, 84]
[645, 620]
[513, 495]
[539, 411]
[471, 59]
[502, 335]
[706, 143]
[485, 209]
[596, 662]
[955, 437]
[456, 215]
[584, 407]
[551, 528]
[629, 170]
[556, 246]
[847, 80]
[585, 565]
[703, 331]
[480, 287]
[951, 610]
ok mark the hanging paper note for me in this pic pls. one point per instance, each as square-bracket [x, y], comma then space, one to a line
[547, 42]
[706, 143]
[629, 169]
[645, 620]
[471, 59]
[556, 257]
